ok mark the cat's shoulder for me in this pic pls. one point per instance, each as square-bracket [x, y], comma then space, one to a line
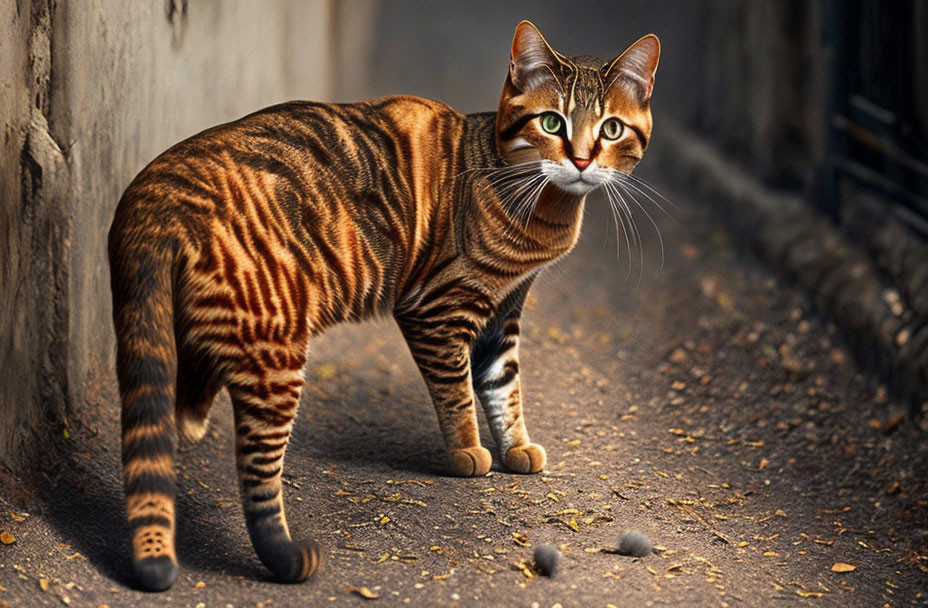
[410, 105]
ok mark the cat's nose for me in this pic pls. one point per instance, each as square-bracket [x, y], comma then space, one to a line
[581, 163]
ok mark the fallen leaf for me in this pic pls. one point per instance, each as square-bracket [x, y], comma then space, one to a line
[802, 593]
[842, 567]
[6, 538]
[555, 334]
[326, 371]
[19, 517]
[363, 592]
[43, 584]
[199, 585]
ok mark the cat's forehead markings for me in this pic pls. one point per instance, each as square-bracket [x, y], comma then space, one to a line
[586, 92]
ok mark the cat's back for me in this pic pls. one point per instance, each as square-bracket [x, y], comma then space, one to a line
[393, 147]
[301, 188]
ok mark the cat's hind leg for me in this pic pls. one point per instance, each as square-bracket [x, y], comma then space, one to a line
[265, 393]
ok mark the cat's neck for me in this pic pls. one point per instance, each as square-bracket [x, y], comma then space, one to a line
[555, 215]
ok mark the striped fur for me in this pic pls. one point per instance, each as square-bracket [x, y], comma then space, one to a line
[233, 248]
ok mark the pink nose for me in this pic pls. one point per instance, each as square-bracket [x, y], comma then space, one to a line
[582, 163]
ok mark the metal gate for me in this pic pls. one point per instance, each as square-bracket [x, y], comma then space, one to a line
[878, 131]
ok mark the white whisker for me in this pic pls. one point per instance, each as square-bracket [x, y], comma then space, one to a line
[660, 239]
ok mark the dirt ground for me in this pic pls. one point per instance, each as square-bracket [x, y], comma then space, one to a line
[702, 404]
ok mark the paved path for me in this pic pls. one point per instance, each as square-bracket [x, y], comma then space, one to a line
[702, 405]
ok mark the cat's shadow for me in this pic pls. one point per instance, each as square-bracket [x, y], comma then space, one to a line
[402, 436]
[89, 514]
[364, 431]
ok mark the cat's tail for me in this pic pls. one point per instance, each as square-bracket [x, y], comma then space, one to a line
[143, 314]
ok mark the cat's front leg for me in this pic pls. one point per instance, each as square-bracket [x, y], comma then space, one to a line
[496, 380]
[443, 355]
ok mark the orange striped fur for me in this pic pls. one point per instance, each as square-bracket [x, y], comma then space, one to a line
[233, 248]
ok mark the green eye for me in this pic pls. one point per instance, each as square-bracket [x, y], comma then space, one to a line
[551, 122]
[612, 129]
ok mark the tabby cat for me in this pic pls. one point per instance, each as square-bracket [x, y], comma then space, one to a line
[235, 247]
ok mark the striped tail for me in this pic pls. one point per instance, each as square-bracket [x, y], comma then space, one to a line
[147, 368]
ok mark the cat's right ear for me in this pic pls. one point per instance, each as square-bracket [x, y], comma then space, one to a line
[532, 61]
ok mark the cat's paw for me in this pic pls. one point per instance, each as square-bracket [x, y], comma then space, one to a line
[470, 462]
[156, 573]
[528, 458]
[292, 561]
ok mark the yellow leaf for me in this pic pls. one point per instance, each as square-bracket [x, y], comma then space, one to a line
[573, 524]
[771, 554]
[363, 592]
[6, 538]
[802, 593]
[326, 371]
[384, 520]
[842, 567]
[43, 584]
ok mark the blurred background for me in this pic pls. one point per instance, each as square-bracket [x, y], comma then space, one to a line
[811, 110]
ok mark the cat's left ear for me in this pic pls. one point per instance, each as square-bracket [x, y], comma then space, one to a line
[634, 69]
[532, 61]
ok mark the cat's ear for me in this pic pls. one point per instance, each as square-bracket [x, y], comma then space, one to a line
[634, 69]
[532, 61]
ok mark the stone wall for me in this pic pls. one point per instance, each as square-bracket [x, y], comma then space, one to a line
[90, 92]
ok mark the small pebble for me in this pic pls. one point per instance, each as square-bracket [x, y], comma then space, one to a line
[635, 544]
[546, 558]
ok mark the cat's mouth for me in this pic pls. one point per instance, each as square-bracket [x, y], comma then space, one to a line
[578, 187]
[572, 180]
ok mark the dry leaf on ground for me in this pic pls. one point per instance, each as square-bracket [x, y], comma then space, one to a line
[363, 592]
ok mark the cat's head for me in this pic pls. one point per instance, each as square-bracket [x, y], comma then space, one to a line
[581, 117]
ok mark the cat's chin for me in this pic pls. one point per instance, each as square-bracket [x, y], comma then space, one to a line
[576, 188]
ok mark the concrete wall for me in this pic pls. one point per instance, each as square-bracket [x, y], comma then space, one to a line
[90, 92]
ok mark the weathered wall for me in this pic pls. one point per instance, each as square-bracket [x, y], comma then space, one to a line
[33, 229]
[91, 91]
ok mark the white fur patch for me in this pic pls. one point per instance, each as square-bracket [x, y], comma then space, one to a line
[566, 176]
